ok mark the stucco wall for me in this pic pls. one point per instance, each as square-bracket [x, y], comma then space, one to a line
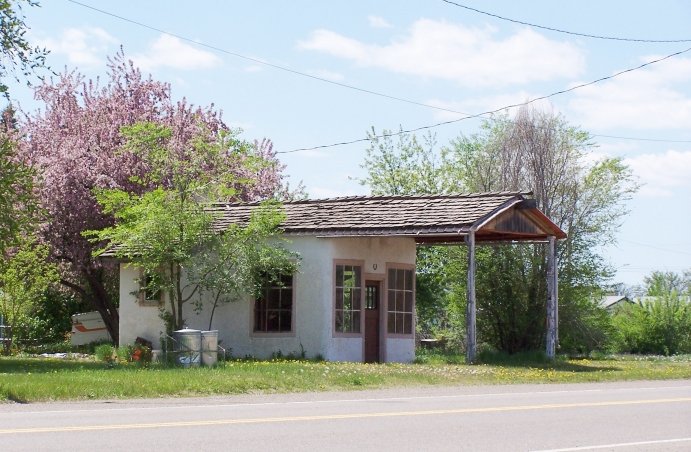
[376, 252]
[313, 301]
[311, 292]
[136, 320]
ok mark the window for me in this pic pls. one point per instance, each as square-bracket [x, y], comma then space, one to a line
[348, 293]
[371, 297]
[400, 301]
[273, 309]
[149, 294]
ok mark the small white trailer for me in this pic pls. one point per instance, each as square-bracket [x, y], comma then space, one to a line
[88, 327]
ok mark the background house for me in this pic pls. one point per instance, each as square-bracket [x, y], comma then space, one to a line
[612, 302]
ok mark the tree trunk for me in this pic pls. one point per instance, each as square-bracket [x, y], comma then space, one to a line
[103, 304]
[98, 298]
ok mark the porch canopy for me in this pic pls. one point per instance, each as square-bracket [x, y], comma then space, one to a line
[430, 219]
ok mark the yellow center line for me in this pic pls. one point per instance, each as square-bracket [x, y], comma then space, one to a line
[84, 428]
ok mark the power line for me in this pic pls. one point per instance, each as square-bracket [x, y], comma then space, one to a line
[659, 140]
[417, 129]
[656, 247]
[558, 30]
[368, 91]
[264, 63]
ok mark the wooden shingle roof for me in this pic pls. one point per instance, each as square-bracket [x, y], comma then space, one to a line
[428, 218]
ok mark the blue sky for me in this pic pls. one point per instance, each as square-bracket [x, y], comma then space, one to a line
[430, 52]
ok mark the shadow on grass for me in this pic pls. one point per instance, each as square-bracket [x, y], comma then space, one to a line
[534, 360]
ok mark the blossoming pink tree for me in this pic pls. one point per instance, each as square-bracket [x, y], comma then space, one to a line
[74, 144]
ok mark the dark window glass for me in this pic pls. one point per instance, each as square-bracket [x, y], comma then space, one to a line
[273, 309]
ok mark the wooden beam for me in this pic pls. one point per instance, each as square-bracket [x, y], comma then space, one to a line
[551, 341]
[556, 298]
[471, 339]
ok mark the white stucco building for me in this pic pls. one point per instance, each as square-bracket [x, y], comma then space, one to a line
[353, 297]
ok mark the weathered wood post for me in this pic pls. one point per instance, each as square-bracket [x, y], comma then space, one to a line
[471, 338]
[552, 318]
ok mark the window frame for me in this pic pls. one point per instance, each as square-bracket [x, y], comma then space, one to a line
[253, 313]
[407, 267]
[142, 298]
[334, 289]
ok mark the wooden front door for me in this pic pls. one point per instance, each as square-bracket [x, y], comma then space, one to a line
[372, 291]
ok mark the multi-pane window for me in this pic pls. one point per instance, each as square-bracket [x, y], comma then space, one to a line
[400, 301]
[273, 309]
[348, 293]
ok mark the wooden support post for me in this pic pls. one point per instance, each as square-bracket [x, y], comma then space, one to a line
[556, 297]
[471, 339]
[551, 342]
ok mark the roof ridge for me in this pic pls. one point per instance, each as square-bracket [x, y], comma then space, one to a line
[381, 197]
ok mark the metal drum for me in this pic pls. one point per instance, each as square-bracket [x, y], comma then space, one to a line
[189, 344]
[209, 347]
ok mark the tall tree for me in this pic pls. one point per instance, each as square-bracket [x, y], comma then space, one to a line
[540, 152]
[534, 151]
[169, 231]
[403, 164]
[75, 144]
[17, 205]
[661, 283]
[19, 58]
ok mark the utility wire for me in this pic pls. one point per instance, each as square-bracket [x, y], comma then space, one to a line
[658, 140]
[262, 62]
[363, 90]
[657, 247]
[417, 129]
[558, 30]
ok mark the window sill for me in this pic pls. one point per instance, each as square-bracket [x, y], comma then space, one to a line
[260, 334]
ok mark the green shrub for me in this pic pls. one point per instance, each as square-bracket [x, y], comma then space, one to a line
[106, 353]
[660, 326]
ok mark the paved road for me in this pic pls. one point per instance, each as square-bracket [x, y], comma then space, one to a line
[613, 416]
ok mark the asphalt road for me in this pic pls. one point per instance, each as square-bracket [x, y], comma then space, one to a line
[640, 416]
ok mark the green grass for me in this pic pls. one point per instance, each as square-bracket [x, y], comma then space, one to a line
[26, 379]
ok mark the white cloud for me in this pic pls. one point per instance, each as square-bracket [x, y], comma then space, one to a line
[662, 174]
[656, 97]
[378, 22]
[169, 51]
[468, 55]
[83, 47]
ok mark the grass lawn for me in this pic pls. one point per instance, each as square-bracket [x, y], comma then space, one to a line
[27, 379]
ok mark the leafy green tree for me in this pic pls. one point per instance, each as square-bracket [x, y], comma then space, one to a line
[17, 206]
[51, 320]
[405, 165]
[538, 152]
[19, 58]
[661, 283]
[169, 229]
[24, 279]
